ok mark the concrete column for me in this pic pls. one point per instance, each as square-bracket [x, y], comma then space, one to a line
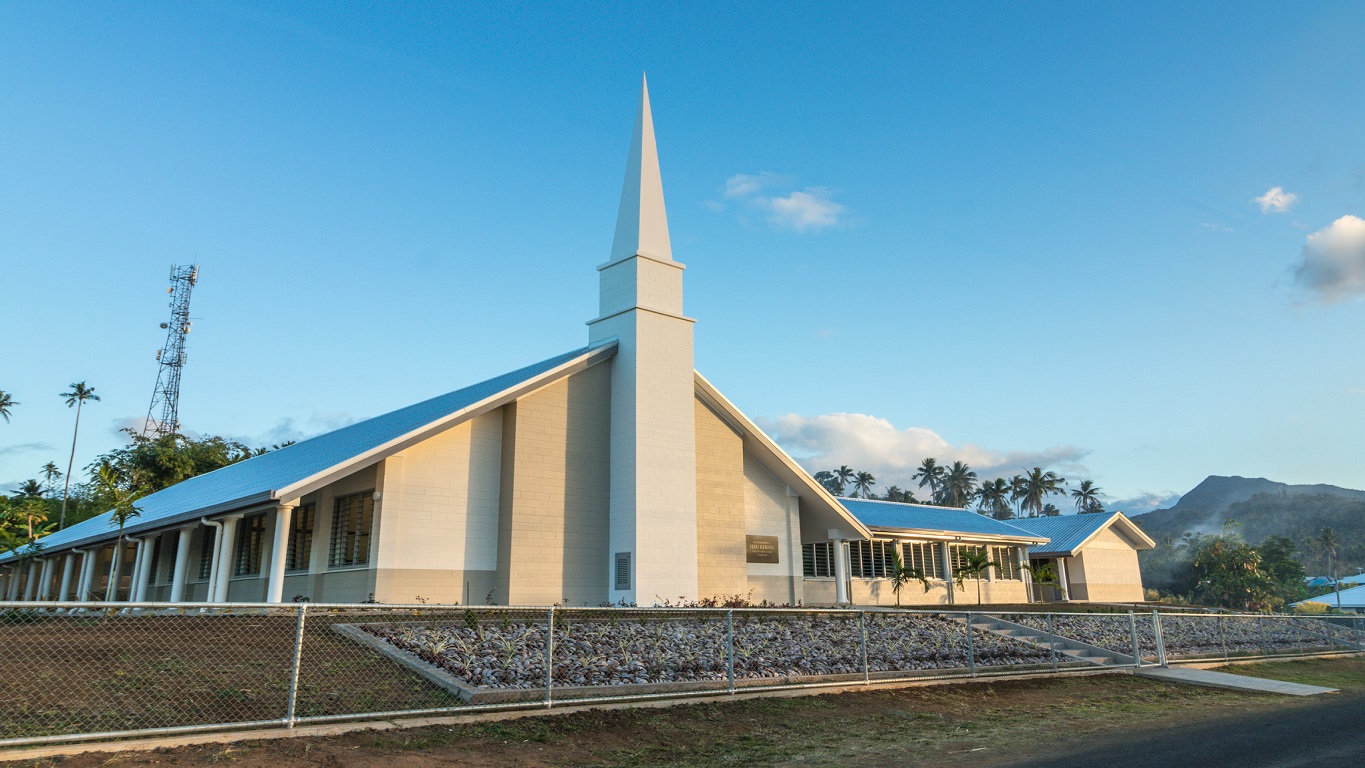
[31, 588]
[139, 560]
[227, 537]
[12, 592]
[45, 579]
[180, 574]
[947, 553]
[68, 570]
[137, 593]
[279, 549]
[1061, 578]
[86, 582]
[841, 572]
[217, 533]
[797, 591]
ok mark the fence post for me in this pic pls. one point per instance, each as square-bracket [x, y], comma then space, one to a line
[862, 630]
[1132, 630]
[1052, 640]
[291, 713]
[1223, 636]
[971, 646]
[1159, 637]
[730, 649]
[549, 656]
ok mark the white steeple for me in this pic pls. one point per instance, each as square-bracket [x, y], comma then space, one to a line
[653, 497]
[641, 223]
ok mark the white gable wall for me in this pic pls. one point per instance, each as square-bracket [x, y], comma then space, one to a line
[438, 515]
[770, 511]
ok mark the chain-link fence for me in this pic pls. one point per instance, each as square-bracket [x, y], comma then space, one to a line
[82, 671]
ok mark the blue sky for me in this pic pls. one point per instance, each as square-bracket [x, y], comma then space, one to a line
[1009, 233]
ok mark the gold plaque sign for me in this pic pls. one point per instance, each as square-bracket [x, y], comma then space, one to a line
[761, 549]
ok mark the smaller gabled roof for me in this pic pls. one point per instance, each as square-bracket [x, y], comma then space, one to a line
[1068, 533]
[1350, 598]
[934, 520]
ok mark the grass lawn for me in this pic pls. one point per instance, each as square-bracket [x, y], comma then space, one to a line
[965, 724]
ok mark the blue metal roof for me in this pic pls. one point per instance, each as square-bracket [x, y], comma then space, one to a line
[921, 517]
[1066, 531]
[256, 478]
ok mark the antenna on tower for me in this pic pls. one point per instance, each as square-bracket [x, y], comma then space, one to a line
[171, 356]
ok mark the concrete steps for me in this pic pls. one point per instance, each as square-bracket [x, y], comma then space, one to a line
[1065, 647]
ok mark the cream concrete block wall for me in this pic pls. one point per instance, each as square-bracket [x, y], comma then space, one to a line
[1105, 570]
[439, 503]
[769, 511]
[556, 493]
[879, 592]
[720, 506]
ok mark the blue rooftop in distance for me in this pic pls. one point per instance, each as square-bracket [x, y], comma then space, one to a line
[891, 514]
[1066, 532]
[255, 478]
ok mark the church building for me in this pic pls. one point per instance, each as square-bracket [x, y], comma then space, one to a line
[611, 473]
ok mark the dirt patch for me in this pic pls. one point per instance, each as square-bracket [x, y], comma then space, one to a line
[976, 723]
[118, 672]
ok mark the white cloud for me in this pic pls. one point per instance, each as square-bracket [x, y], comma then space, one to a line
[1332, 264]
[290, 428]
[808, 209]
[1143, 502]
[873, 444]
[18, 448]
[805, 210]
[1276, 200]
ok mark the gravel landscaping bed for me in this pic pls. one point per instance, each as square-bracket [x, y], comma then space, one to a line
[1191, 636]
[605, 650]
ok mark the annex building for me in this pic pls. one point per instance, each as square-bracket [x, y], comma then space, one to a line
[614, 472]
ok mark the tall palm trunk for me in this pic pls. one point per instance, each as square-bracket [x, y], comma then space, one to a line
[66, 490]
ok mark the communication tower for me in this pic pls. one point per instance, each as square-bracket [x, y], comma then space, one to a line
[162, 415]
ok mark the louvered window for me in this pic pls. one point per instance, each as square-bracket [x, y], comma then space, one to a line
[924, 556]
[206, 538]
[622, 571]
[301, 537]
[352, 520]
[817, 560]
[250, 543]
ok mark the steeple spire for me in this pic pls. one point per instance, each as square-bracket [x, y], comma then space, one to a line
[642, 224]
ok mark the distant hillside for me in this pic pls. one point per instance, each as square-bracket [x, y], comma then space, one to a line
[1264, 508]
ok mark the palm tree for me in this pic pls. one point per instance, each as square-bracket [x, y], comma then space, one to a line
[78, 396]
[993, 498]
[30, 489]
[842, 477]
[959, 485]
[862, 484]
[1042, 575]
[1329, 541]
[6, 403]
[1050, 510]
[1087, 497]
[1037, 485]
[900, 576]
[121, 500]
[930, 474]
[974, 563]
[50, 476]
[1017, 494]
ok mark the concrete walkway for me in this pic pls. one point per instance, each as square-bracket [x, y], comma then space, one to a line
[1210, 679]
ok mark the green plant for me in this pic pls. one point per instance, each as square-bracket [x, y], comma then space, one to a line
[974, 563]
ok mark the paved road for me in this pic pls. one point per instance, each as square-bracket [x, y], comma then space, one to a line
[1322, 735]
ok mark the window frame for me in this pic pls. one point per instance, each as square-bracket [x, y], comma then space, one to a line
[302, 525]
[359, 555]
[249, 547]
